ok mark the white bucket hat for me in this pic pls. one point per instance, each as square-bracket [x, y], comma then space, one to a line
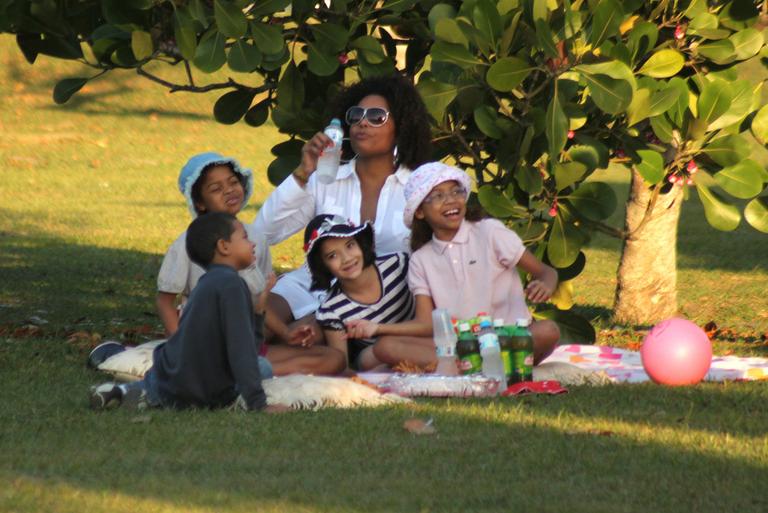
[192, 170]
[425, 178]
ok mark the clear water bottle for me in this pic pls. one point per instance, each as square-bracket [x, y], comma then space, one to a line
[493, 366]
[445, 342]
[328, 163]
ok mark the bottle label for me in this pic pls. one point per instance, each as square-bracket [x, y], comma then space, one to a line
[336, 135]
[488, 341]
[506, 358]
[522, 365]
[445, 351]
[471, 364]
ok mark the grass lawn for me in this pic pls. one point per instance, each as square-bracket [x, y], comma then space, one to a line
[88, 205]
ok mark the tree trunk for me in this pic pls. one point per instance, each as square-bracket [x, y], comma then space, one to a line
[646, 291]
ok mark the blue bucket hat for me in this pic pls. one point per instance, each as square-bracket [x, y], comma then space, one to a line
[192, 170]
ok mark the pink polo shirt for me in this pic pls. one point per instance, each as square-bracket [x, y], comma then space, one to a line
[474, 272]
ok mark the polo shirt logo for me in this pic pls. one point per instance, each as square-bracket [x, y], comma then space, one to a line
[472, 262]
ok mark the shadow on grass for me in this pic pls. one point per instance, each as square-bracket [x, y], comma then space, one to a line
[700, 246]
[67, 283]
[601, 449]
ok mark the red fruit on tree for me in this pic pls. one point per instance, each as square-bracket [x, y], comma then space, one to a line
[343, 58]
[692, 167]
[571, 134]
[679, 32]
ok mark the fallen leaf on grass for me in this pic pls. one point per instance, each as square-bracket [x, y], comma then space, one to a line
[26, 331]
[419, 427]
[141, 419]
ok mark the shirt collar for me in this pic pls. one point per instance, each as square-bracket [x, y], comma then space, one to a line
[461, 237]
[402, 174]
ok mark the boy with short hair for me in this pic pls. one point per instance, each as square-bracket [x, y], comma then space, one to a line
[212, 359]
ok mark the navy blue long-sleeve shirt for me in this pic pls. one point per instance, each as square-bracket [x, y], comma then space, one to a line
[213, 356]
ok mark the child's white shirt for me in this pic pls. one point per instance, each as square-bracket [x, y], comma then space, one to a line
[179, 275]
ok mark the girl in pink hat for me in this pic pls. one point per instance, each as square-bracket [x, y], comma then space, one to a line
[467, 264]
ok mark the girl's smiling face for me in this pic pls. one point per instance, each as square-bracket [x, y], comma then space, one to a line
[343, 257]
[220, 191]
[444, 209]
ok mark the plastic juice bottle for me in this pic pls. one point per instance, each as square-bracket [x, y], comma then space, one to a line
[328, 163]
[504, 335]
[468, 351]
[490, 351]
[521, 345]
[445, 342]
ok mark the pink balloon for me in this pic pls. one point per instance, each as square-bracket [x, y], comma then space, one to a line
[676, 352]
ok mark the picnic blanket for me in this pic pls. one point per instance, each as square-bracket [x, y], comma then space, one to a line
[624, 366]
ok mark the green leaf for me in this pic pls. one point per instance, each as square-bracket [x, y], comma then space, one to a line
[230, 19]
[610, 95]
[756, 214]
[258, 114]
[436, 95]
[593, 200]
[704, 20]
[496, 203]
[564, 243]
[642, 38]
[66, 88]
[728, 150]
[331, 36]
[321, 62]
[439, 12]
[290, 89]
[263, 7]
[586, 154]
[662, 128]
[568, 174]
[529, 179]
[574, 329]
[719, 52]
[742, 94]
[746, 43]
[662, 101]
[546, 38]
[677, 112]
[639, 109]
[210, 55]
[606, 20]
[141, 44]
[232, 106]
[398, 5]
[485, 118]
[448, 30]
[476, 37]
[508, 73]
[198, 11]
[370, 48]
[555, 126]
[614, 69]
[662, 64]
[760, 125]
[743, 180]
[243, 57]
[186, 37]
[720, 214]
[268, 38]
[714, 101]
[651, 166]
[487, 19]
[453, 53]
[282, 167]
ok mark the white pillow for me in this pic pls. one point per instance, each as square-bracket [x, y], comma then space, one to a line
[297, 390]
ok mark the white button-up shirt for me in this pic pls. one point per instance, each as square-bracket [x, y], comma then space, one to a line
[291, 207]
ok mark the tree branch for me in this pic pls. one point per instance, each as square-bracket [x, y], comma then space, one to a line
[229, 84]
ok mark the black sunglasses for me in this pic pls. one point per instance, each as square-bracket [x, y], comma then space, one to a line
[376, 116]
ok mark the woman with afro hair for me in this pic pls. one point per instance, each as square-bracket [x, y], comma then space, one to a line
[387, 134]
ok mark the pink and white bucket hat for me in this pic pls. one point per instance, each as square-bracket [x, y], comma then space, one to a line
[425, 178]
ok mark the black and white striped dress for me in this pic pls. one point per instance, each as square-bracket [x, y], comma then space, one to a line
[395, 305]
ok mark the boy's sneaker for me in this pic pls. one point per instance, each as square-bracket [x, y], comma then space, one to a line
[102, 352]
[106, 396]
[109, 395]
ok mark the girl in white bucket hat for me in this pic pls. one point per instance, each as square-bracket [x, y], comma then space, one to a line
[467, 264]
